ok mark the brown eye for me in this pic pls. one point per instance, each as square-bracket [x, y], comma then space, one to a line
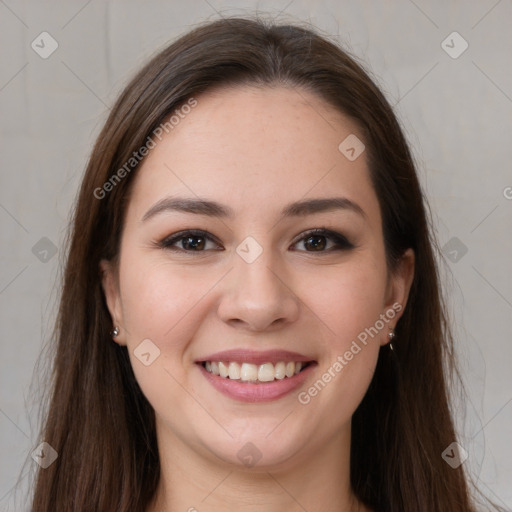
[195, 243]
[323, 240]
[316, 243]
[190, 241]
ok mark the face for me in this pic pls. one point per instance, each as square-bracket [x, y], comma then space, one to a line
[251, 240]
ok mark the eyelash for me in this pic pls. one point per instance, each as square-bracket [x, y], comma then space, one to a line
[341, 243]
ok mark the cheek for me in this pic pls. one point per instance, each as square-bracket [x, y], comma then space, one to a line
[158, 297]
[163, 304]
[349, 303]
[347, 300]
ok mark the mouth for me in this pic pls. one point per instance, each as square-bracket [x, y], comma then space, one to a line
[253, 373]
[249, 376]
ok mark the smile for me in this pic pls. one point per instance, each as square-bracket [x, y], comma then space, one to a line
[246, 375]
[253, 373]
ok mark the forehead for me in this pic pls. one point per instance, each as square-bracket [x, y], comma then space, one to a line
[248, 145]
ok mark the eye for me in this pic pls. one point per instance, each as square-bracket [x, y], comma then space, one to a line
[193, 240]
[196, 240]
[317, 240]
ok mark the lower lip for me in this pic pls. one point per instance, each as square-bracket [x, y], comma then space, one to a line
[257, 392]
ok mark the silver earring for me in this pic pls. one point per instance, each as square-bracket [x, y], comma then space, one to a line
[114, 332]
[391, 336]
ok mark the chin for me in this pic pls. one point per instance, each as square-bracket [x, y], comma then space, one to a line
[256, 452]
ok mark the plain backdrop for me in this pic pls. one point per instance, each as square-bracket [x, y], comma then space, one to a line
[455, 104]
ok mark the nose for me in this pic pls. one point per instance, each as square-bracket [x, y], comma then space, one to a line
[257, 297]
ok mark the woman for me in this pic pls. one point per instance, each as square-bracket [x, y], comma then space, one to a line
[251, 315]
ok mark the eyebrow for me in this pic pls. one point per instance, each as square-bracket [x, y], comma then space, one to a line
[214, 209]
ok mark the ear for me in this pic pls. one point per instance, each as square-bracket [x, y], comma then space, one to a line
[398, 288]
[110, 285]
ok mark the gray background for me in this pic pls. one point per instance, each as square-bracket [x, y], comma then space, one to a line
[456, 112]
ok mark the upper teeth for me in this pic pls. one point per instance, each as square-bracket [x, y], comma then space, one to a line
[248, 372]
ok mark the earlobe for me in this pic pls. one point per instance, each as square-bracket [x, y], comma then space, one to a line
[399, 286]
[110, 285]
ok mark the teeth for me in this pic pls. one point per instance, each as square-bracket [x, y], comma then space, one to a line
[223, 369]
[280, 371]
[234, 371]
[266, 372]
[247, 372]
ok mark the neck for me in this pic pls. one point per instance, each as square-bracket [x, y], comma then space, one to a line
[318, 480]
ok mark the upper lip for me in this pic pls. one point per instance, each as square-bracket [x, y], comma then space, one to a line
[255, 356]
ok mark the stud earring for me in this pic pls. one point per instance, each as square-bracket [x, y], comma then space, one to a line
[391, 337]
[114, 332]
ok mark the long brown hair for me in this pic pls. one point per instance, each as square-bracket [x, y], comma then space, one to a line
[99, 421]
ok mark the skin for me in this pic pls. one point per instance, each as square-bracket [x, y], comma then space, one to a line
[254, 150]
